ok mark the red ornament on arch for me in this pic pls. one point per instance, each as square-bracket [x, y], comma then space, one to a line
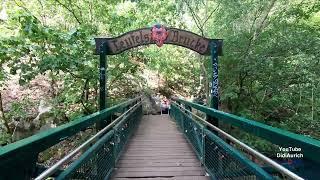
[159, 34]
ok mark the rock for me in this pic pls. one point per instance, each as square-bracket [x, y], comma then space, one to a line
[149, 105]
[43, 121]
[22, 130]
[45, 118]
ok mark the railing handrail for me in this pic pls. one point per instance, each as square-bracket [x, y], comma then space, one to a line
[91, 140]
[257, 154]
[309, 146]
[46, 139]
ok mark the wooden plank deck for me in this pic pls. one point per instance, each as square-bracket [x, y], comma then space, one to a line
[157, 151]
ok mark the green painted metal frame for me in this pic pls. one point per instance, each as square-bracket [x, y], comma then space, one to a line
[184, 120]
[85, 156]
[310, 147]
[191, 131]
[258, 171]
[22, 155]
[129, 123]
[136, 114]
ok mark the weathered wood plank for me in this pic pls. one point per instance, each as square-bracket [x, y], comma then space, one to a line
[169, 155]
[161, 144]
[158, 164]
[160, 151]
[159, 157]
[135, 140]
[158, 169]
[141, 150]
[159, 174]
[152, 154]
[143, 161]
[169, 178]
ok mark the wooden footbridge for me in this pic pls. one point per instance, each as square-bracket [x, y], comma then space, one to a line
[182, 145]
[188, 144]
[158, 149]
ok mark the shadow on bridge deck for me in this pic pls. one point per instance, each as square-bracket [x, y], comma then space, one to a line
[157, 150]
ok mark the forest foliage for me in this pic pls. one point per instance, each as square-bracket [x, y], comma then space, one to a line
[270, 69]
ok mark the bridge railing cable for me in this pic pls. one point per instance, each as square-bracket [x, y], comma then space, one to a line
[220, 158]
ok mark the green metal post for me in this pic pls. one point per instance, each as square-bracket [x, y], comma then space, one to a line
[102, 100]
[102, 80]
[214, 99]
[214, 102]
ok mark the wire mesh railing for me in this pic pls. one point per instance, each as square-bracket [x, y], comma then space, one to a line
[222, 160]
[98, 161]
[22, 156]
[54, 153]
[124, 129]
[95, 163]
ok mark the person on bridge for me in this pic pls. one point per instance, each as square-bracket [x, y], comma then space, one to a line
[165, 105]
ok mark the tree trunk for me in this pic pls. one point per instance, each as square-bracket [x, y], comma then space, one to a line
[3, 117]
[312, 102]
[206, 83]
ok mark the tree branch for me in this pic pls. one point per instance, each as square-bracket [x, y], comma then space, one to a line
[208, 17]
[261, 26]
[252, 38]
[82, 96]
[195, 17]
[26, 9]
[259, 29]
[70, 10]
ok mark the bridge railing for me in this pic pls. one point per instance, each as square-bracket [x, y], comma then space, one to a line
[201, 136]
[19, 160]
[99, 160]
[220, 159]
[274, 135]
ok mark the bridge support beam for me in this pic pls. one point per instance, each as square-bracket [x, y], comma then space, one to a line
[214, 99]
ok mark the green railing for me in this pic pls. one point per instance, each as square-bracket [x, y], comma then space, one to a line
[220, 159]
[99, 160]
[18, 160]
[277, 136]
[223, 159]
